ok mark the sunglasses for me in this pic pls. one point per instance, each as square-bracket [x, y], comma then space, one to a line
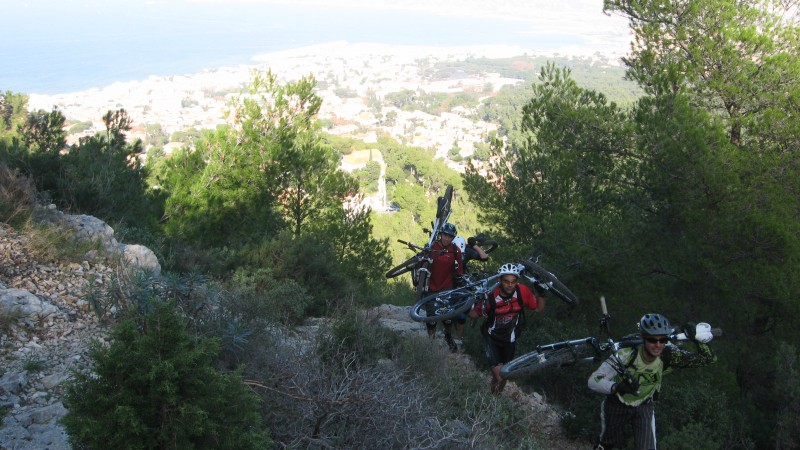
[657, 340]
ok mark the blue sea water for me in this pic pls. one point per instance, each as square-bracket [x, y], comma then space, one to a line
[67, 46]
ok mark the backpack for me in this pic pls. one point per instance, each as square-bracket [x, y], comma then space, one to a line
[491, 315]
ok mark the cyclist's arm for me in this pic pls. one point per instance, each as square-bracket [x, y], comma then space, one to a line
[531, 300]
[602, 380]
[477, 308]
[683, 359]
[480, 254]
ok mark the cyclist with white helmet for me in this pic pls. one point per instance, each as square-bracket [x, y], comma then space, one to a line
[470, 250]
[504, 310]
[447, 265]
[630, 401]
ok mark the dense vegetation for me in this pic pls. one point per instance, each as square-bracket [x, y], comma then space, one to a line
[679, 198]
[686, 203]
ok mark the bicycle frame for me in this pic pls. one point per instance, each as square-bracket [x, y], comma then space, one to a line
[448, 304]
[419, 264]
[588, 349]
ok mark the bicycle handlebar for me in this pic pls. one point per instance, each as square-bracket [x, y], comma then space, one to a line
[716, 332]
[423, 249]
[410, 245]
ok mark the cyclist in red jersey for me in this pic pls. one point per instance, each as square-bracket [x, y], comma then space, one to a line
[446, 266]
[504, 311]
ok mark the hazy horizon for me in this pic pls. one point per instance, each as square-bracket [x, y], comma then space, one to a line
[69, 45]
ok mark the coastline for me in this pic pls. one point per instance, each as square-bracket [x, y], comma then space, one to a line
[281, 59]
[364, 70]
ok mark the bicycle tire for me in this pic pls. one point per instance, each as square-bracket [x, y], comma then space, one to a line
[443, 204]
[447, 305]
[402, 268]
[421, 283]
[554, 284]
[536, 362]
[488, 245]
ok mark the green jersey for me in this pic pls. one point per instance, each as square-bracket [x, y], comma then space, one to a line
[648, 375]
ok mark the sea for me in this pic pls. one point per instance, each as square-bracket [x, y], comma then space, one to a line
[74, 45]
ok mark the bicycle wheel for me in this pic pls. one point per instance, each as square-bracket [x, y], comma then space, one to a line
[421, 283]
[553, 284]
[402, 268]
[488, 245]
[443, 204]
[442, 305]
[535, 362]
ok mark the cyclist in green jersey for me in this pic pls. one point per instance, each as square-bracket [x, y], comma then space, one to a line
[629, 400]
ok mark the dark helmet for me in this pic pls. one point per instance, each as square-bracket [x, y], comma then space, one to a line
[655, 325]
[450, 229]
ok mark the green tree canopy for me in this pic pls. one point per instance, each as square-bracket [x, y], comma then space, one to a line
[685, 203]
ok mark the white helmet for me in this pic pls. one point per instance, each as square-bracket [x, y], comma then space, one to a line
[461, 243]
[508, 269]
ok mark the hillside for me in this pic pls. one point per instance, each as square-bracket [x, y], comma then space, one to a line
[46, 327]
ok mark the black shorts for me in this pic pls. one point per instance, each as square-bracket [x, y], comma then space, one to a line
[498, 352]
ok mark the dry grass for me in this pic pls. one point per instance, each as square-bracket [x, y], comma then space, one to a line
[17, 196]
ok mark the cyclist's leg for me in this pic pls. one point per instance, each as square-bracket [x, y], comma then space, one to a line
[429, 310]
[460, 321]
[507, 351]
[644, 426]
[492, 354]
[431, 329]
[614, 418]
[448, 337]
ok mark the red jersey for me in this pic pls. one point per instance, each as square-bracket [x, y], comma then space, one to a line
[502, 324]
[445, 266]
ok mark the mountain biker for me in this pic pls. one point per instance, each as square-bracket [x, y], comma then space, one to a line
[447, 264]
[470, 250]
[631, 400]
[504, 313]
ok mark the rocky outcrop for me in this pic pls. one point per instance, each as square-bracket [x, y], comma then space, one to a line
[45, 332]
[28, 308]
[89, 228]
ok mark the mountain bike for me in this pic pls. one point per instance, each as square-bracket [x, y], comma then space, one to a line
[449, 304]
[581, 351]
[419, 264]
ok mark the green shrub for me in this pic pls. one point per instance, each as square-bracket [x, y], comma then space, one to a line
[350, 334]
[309, 261]
[399, 293]
[155, 387]
[259, 298]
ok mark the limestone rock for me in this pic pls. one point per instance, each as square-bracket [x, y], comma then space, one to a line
[141, 257]
[21, 304]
